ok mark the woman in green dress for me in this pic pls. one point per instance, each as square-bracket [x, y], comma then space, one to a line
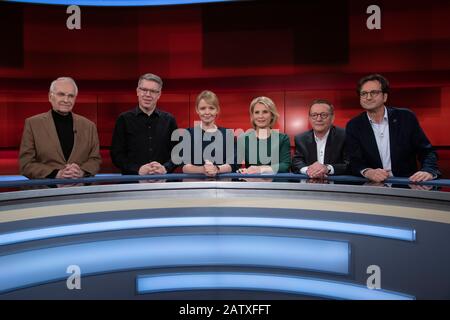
[267, 151]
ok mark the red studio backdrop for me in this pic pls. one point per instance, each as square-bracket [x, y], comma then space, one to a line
[293, 52]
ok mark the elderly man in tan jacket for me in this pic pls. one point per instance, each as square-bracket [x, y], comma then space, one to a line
[59, 143]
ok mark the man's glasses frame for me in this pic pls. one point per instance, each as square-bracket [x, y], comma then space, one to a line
[322, 115]
[373, 93]
[146, 91]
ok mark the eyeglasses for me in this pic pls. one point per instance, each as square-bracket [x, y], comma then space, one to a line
[373, 93]
[146, 91]
[323, 115]
[62, 95]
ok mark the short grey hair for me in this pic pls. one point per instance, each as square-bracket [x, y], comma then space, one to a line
[151, 77]
[322, 101]
[52, 86]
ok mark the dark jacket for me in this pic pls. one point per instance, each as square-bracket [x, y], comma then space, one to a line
[408, 144]
[306, 151]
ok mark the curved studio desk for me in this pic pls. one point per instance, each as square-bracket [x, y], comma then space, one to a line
[225, 240]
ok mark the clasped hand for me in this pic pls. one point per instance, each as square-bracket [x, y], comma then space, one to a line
[317, 170]
[70, 171]
[152, 168]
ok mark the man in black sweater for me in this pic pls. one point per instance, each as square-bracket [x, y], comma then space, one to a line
[141, 142]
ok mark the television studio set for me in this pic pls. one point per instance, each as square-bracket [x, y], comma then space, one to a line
[254, 151]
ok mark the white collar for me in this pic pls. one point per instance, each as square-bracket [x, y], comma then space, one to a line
[385, 117]
[214, 129]
[324, 137]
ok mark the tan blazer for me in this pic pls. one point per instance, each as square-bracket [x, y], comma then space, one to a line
[41, 152]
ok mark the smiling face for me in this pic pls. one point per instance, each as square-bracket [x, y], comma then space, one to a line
[320, 117]
[62, 96]
[148, 93]
[371, 96]
[207, 113]
[261, 116]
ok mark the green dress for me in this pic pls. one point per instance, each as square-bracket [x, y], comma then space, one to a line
[259, 152]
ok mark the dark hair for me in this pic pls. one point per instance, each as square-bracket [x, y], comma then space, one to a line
[374, 77]
[324, 101]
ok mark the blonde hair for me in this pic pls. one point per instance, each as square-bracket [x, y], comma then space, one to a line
[209, 97]
[269, 104]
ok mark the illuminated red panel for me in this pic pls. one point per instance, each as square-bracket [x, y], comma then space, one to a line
[17, 108]
[170, 41]
[444, 163]
[9, 163]
[347, 107]
[110, 106]
[440, 135]
[426, 104]
[107, 165]
[400, 45]
[104, 48]
[178, 105]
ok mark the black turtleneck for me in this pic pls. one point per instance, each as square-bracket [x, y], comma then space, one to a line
[64, 128]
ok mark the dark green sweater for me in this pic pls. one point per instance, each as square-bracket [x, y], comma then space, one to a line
[276, 142]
